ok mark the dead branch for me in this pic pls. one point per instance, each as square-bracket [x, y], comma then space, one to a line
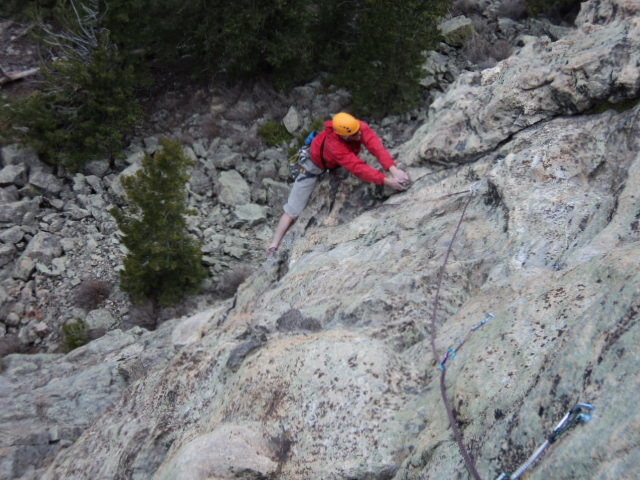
[81, 39]
[13, 77]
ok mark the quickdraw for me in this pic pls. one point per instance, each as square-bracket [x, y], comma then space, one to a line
[452, 352]
[581, 413]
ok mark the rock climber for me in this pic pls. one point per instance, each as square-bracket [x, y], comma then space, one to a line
[338, 145]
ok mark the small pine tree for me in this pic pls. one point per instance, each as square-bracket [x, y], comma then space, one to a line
[164, 263]
[74, 335]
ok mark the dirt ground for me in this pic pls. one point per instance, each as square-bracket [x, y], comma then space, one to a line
[18, 53]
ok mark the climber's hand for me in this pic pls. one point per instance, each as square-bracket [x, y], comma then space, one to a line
[395, 184]
[400, 176]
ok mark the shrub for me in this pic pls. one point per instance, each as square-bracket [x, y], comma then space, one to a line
[373, 49]
[233, 278]
[74, 335]
[484, 53]
[164, 263]
[247, 39]
[274, 133]
[513, 9]
[558, 11]
[91, 293]
[316, 125]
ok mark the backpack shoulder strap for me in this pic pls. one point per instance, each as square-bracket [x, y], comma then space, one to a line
[322, 137]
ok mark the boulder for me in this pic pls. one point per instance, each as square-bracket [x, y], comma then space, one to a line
[31, 435]
[16, 212]
[45, 182]
[233, 448]
[98, 168]
[248, 215]
[224, 158]
[95, 183]
[80, 185]
[457, 31]
[9, 194]
[233, 189]
[23, 268]
[100, 318]
[43, 247]
[213, 243]
[595, 66]
[19, 155]
[151, 144]
[7, 254]
[116, 185]
[235, 247]
[199, 148]
[193, 328]
[13, 174]
[200, 183]
[12, 235]
[292, 121]
[277, 193]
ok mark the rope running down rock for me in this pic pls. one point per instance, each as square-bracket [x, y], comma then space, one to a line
[468, 460]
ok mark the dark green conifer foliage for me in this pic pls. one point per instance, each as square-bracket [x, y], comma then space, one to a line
[86, 104]
[372, 48]
[375, 50]
[164, 263]
[20, 9]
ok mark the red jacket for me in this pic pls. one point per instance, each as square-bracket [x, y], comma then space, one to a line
[328, 150]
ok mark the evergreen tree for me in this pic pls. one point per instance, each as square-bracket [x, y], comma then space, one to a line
[86, 104]
[375, 50]
[164, 263]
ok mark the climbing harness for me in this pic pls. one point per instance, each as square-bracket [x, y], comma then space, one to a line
[452, 352]
[302, 156]
[581, 413]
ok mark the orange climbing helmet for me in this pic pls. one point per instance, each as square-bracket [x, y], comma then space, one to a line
[345, 124]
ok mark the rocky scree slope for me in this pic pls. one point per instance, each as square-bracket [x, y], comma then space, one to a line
[59, 249]
[321, 365]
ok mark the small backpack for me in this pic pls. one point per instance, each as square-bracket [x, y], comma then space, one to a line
[304, 153]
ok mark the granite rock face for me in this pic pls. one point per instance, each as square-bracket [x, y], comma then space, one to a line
[323, 366]
[594, 66]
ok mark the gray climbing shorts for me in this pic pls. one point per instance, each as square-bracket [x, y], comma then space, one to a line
[302, 188]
